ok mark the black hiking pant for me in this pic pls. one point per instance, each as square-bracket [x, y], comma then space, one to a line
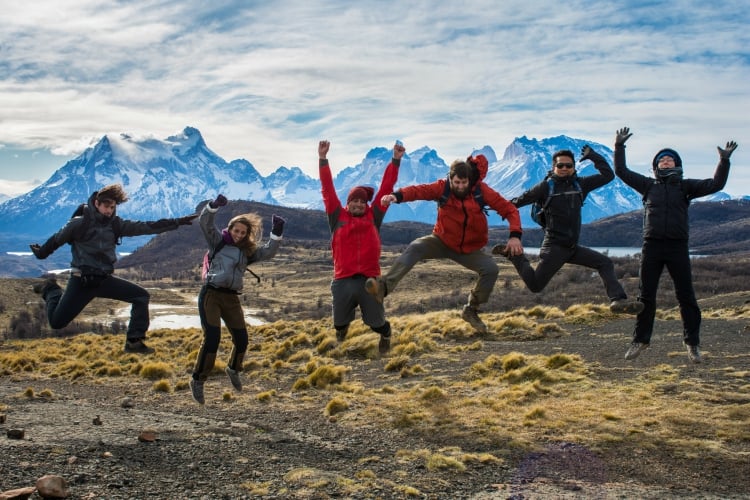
[63, 307]
[552, 257]
[675, 255]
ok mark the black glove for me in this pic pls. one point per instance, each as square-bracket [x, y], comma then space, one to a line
[186, 220]
[220, 201]
[38, 252]
[725, 153]
[588, 154]
[622, 135]
[277, 225]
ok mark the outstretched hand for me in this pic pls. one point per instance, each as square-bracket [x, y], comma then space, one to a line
[277, 225]
[622, 136]
[727, 151]
[186, 220]
[323, 147]
[220, 201]
[37, 251]
[587, 153]
[398, 150]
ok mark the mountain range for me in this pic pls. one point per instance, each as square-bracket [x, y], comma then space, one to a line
[170, 177]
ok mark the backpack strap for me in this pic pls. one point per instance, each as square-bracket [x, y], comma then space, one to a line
[446, 193]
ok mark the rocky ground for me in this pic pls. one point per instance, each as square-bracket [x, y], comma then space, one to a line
[122, 440]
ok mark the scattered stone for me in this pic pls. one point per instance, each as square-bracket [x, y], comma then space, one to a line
[97, 420]
[2, 418]
[51, 486]
[15, 433]
[18, 493]
[72, 460]
[147, 436]
[127, 402]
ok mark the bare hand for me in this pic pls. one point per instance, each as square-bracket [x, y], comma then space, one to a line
[387, 199]
[398, 150]
[514, 247]
[323, 147]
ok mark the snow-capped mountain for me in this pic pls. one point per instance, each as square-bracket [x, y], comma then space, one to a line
[170, 177]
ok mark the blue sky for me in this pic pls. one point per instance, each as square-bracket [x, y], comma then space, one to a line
[265, 81]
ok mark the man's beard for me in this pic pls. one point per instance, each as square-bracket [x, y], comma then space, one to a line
[460, 193]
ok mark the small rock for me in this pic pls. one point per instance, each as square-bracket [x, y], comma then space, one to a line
[97, 420]
[15, 433]
[50, 486]
[72, 460]
[147, 437]
[2, 418]
[127, 402]
[18, 493]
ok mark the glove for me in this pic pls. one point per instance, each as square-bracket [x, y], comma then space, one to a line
[220, 201]
[38, 252]
[622, 135]
[725, 153]
[588, 154]
[277, 225]
[186, 220]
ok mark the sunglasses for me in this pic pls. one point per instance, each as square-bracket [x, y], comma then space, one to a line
[564, 165]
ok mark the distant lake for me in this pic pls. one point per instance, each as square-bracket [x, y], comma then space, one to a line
[611, 251]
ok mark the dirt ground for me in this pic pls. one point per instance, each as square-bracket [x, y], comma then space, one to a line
[88, 433]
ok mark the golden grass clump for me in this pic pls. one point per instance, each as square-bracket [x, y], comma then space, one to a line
[396, 363]
[154, 370]
[265, 396]
[512, 361]
[29, 392]
[162, 385]
[434, 394]
[334, 406]
[326, 375]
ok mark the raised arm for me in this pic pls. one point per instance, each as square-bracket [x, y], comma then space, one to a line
[330, 198]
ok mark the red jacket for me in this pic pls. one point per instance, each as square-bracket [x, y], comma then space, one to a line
[461, 224]
[355, 241]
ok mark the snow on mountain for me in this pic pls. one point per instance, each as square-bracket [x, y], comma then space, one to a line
[170, 177]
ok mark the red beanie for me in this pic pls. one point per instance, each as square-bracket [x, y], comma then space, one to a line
[361, 193]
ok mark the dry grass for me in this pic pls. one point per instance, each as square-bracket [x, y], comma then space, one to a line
[471, 395]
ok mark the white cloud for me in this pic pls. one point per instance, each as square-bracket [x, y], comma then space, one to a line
[265, 81]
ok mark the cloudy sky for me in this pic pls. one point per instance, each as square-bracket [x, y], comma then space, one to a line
[265, 81]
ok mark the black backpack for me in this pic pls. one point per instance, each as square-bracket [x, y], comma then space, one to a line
[476, 193]
[538, 208]
[82, 211]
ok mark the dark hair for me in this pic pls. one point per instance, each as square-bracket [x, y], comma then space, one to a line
[563, 152]
[460, 169]
[112, 192]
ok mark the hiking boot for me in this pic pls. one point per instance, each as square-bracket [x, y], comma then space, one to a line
[501, 249]
[635, 350]
[469, 314]
[625, 306]
[234, 378]
[694, 353]
[384, 345]
[196, 386]
[341, 334]
[45, 285]
[376, 288]
[138, 346]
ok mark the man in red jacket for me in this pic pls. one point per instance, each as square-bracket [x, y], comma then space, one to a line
[355, 246]
[459, 234]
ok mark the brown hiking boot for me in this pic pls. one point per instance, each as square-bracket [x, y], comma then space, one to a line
[501, 249]
[469, 314]
[384, 345]
[376, 288]
[625, 306]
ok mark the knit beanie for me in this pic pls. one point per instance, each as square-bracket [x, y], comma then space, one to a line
[667, 152]
[361, 193]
